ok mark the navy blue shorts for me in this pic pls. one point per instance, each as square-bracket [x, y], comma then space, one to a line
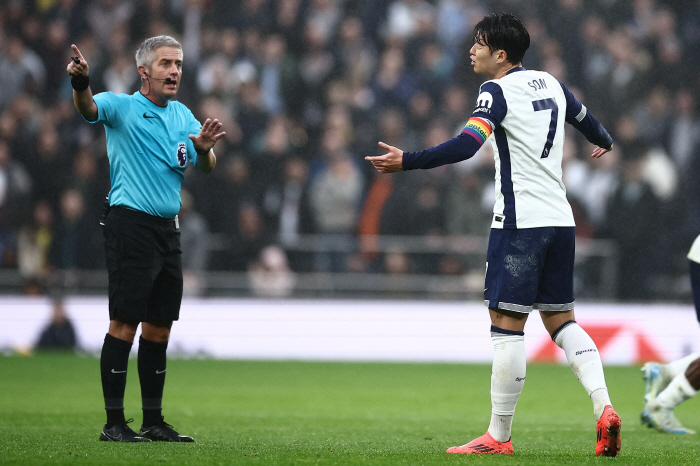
[532, 268]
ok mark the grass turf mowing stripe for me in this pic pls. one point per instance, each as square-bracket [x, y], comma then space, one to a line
[289, 413]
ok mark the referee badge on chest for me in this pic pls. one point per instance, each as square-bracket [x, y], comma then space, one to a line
[181, 154]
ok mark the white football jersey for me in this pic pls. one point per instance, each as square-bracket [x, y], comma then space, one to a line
[694, 253]
[526, 110]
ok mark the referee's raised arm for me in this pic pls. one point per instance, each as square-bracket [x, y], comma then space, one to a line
[79, 70]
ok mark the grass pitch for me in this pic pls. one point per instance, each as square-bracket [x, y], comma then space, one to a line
[299, 413]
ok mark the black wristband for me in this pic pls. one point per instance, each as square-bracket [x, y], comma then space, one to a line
[80, 82]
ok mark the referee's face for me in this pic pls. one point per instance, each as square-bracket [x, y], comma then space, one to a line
[168, 64]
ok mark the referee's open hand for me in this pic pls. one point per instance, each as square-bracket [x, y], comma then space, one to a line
[208, 135]
[77, 66]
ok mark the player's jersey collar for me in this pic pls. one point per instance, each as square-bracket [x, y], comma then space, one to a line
[519, 68]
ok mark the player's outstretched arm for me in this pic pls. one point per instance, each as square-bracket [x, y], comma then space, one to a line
[390, 162]
[204, 143]
[598, 151]
[79, 71]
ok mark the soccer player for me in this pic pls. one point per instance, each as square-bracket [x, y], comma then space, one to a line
[151, 140]
[668, 385]
[530, 256]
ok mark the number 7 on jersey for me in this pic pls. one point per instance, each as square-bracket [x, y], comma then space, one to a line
[548, 104]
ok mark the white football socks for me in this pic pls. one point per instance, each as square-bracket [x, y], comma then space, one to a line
[673, 368]
[584, 359]
[507, 379]
[676, 393]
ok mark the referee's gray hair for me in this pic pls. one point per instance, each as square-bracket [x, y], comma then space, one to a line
[146, 54]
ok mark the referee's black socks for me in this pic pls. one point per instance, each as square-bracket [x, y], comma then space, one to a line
[113, 364]
[152, 376]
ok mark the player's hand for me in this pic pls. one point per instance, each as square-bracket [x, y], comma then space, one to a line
[77, 68]
[598, 151]
[390, 162]
[208, 135]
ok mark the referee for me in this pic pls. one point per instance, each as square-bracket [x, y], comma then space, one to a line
[150, 142]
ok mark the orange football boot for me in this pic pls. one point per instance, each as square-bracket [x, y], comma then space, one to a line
[484, 445]
[609, 426]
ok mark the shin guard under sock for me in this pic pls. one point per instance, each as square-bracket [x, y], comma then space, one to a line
[151, 362]
[507, 379]
[114, 360]
[584, 359]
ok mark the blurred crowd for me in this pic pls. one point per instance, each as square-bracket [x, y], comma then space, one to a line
[306, 88]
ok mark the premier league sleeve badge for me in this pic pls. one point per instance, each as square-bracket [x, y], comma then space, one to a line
[182, 154]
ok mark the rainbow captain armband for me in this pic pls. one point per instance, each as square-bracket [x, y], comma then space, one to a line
[478, 128]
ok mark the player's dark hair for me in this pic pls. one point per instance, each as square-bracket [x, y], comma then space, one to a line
[503, 31]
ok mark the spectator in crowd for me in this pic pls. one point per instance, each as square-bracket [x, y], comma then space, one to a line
[76, 242]
[392, 85]
[635, 208]
[335, 198]
[193, 242]
[21, 70]
[249, 238]
[280, 81]
[408, 19]
[288, 211]
[652, 115]
[59, 334]
[463, 207]
[270, 275]
[15, 195]
[434, 69]
[107, 16]
[232, 183]
[356, 56]
[33, 246]
[51, 170]
[454, 20]
[51, 52]
[120, 76]
[683, 135]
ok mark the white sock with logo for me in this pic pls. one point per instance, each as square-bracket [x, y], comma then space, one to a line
[676, 393]
[584, 359]
[507, 379]
[673, 368]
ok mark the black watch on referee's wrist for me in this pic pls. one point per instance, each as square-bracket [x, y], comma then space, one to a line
[202, 152]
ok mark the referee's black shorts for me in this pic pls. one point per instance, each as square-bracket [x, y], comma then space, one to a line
[144, 262]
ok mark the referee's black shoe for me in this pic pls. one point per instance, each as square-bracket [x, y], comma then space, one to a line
[163, 432]
[121, 433]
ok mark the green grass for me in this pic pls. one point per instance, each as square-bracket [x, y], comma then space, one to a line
[270, 413]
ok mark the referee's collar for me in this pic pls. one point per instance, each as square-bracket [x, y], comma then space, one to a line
[519, 68]
[150, 101]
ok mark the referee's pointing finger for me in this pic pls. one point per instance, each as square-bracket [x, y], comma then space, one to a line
[77, 52]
